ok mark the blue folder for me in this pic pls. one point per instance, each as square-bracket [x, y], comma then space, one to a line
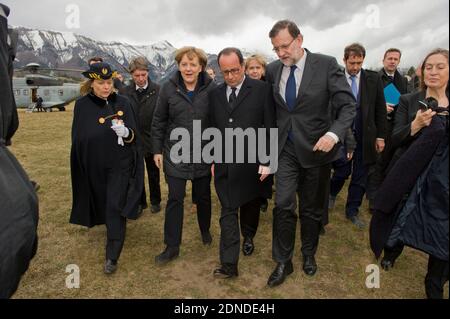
[391, 94]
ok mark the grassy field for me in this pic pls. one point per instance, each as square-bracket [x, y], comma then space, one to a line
[42, 145]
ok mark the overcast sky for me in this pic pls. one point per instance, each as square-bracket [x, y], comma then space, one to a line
[414, 26]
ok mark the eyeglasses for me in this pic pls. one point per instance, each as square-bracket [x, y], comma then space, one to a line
[283, 47]
[232, 72]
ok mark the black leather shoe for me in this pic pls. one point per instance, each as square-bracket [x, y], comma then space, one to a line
[280, 273]
[110, 266]
[226, 272]
[155, 209]
[247, 246]
[387, 264]
[206, 238]
[264, 206]
[140, 211]
[169, 254]
[309, 265]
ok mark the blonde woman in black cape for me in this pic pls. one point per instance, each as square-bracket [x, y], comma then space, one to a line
[105, 174]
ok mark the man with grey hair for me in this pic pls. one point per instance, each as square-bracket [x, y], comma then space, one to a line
[308, 88]
[143, 94]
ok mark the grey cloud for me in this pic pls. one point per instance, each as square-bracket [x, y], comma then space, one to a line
[144, 22]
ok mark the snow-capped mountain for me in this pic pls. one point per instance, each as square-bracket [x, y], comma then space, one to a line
[69, 50]
[53, 49]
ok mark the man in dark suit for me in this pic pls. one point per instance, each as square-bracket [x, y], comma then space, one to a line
[306, 88]
[143, 94]
[389, 74]
[239, 103]
[369, 129]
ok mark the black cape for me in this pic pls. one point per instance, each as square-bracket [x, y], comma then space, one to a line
[18, 200]
[95, 153]
[417, 209]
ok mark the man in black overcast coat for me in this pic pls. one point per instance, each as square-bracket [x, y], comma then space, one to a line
[143, 95]
[244, 103]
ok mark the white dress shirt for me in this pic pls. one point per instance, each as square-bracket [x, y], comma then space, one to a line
[238, 89]
[145, 87]
[298, 75]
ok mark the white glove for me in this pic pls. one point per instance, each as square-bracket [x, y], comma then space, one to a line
[122, 132]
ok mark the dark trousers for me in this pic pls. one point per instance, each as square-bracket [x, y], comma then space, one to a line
[116, 186]
[114, 246]
[173, 224]
[378, 171]
[153, 183]
[357, 188]
[249, 218]
[313, 186]
[436, 278]
[229, 229]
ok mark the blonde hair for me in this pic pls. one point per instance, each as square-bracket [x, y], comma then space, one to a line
[191, 53]
[255, 57]
[86, 87]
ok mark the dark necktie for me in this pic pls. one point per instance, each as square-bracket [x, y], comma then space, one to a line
[232, 99]
[140, 90]
[291, 89]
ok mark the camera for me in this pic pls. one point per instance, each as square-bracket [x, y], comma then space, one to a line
[429, 103]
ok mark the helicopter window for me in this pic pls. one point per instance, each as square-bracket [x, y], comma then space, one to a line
[46, 92]
[17, 92]
[25, 92]
[60, 92]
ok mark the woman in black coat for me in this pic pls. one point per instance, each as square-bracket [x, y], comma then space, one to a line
[412, 205]
[183, 100]
[103, 161]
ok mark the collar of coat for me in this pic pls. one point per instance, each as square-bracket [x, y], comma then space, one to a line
[101, 102]
[386, 76]
[203, 81]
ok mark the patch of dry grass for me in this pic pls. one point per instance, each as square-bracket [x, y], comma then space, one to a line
[42, 145]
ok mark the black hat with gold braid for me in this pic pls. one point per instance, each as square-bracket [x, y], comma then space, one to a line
[100, 71]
